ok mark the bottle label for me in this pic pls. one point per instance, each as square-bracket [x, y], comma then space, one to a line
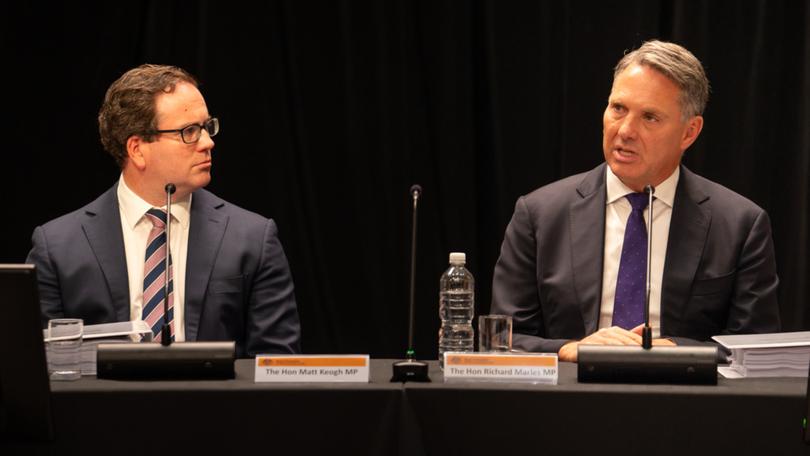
[501, 367]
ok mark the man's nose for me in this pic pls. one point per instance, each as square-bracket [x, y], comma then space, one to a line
[628, 128]
[205, 143]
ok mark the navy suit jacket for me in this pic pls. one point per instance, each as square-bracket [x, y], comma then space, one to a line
[238, 284]
[719, 272]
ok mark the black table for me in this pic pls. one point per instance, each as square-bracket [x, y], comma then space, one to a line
[749, 416]
[736, 417]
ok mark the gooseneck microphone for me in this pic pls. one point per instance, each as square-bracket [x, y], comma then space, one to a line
[411, 370]
[166, 331]
[416, 191]
[646, 332]
[645, 363]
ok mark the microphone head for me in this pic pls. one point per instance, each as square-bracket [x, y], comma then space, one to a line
[649, 189]
[170, 188]
[416, 190]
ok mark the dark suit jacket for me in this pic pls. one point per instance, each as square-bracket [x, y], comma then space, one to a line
[719, 272]
[238, 284]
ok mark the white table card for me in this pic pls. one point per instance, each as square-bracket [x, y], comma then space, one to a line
[312, 368]
[501, 367]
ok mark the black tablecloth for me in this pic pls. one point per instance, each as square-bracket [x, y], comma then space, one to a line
[748, 416]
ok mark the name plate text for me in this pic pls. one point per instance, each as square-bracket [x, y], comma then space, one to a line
[501, 367]
[312, 368]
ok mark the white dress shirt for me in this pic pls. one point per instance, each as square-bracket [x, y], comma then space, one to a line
[616, 213]
[136, 228]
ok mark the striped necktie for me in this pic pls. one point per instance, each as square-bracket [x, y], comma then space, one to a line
[153, 275]
[631, 285]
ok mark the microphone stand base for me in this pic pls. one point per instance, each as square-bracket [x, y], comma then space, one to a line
[410, 370]
[153, 361]
[627, 364]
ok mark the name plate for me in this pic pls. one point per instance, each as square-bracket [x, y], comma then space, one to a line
[311, 368]
[501, 367]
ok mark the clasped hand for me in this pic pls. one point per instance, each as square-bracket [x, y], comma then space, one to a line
[608, 336]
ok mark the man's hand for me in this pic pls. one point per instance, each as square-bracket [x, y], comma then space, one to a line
[607, 336]
[655, 342]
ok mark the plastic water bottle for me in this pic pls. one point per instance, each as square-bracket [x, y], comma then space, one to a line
[456, 307]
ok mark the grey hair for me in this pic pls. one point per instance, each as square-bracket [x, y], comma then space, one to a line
[679, 66]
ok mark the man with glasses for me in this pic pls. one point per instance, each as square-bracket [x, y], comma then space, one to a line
[229, 278]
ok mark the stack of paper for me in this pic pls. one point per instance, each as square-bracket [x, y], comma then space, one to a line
[124, 331]
[767, 355]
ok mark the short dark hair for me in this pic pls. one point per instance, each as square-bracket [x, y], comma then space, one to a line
[679, 66]
[129, 106]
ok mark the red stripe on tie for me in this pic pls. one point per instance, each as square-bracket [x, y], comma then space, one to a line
[153, 316]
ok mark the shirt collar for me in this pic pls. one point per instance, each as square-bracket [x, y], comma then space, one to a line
[664, 192]
[133, 207]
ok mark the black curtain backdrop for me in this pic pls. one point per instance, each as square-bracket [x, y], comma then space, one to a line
[331, 110]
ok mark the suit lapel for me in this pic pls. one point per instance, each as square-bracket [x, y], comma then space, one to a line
[688, 229]
[102, 227]
[207, 227]
[587, 245]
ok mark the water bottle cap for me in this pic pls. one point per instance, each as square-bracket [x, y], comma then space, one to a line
[458, 258]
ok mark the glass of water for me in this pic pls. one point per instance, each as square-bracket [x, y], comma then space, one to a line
[64, 348]
[494, 333]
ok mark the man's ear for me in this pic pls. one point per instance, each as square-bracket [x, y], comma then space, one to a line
[693, 128]
[136, 147]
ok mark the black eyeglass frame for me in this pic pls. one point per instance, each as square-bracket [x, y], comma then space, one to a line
[213, 122]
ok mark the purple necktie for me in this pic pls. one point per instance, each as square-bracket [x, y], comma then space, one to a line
[631, 286]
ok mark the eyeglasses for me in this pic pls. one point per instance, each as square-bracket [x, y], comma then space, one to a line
[191, 133]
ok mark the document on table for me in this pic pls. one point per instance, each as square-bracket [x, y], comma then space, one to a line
[767, 355]
[92, 335]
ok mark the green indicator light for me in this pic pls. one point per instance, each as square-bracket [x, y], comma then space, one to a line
[804, 423]
[410, 353]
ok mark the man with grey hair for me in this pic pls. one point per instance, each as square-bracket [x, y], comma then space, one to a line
[573, 263]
